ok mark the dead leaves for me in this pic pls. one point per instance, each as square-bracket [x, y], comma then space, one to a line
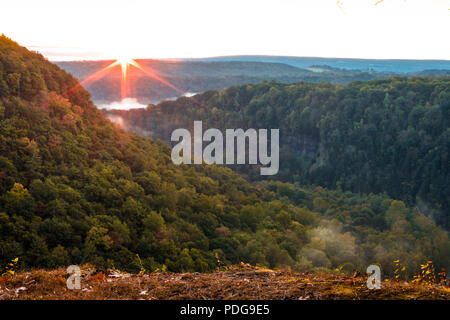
[240, 282]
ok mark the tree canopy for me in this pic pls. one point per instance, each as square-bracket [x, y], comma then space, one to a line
[74, 188]
[390, 135]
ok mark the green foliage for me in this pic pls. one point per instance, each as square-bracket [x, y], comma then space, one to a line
[390, 135]
[76, 189]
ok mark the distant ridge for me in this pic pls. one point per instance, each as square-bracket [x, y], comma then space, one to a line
[379, 65]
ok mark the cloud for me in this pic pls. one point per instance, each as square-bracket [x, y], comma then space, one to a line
[186, 94]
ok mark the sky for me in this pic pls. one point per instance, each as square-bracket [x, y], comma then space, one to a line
[112, 29]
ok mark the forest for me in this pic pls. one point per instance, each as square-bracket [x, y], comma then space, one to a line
[382, 136]
[75, 188]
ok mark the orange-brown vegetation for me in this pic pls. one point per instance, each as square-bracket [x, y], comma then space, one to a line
[241, 282]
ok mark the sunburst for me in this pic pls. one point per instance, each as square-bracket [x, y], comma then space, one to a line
[125, 63]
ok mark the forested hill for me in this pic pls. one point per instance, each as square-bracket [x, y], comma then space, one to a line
[388, 135]
[75, 189]
[379, 65]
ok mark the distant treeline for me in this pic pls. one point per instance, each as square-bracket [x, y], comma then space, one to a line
[190, 76]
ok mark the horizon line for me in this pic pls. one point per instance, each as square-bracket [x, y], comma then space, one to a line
[247, 56]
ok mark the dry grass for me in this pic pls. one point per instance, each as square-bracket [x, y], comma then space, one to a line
[242, 282]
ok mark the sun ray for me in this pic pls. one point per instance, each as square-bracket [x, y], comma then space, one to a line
[93, 77]
[99, 74]
[125, 64]
[152, 73]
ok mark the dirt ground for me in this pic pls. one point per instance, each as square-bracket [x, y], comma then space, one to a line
[242, 282]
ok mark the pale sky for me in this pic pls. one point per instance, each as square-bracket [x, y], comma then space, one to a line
[110, 29]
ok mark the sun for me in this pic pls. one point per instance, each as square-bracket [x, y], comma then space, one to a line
[125, 62]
